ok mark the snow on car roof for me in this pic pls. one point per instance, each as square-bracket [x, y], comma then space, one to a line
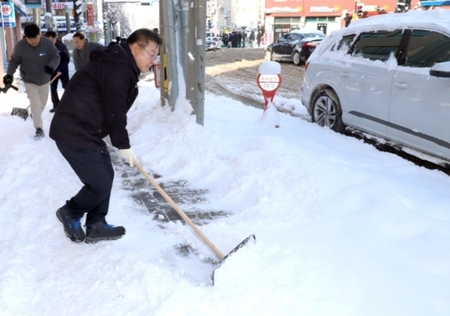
[419, 18]
[430, 19]
[307, 31]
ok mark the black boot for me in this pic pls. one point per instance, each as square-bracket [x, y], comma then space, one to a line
[39, 133]
[72, 227]
[103, 231]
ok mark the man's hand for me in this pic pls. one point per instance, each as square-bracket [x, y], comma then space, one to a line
[128, 156]
[7, 79]
[48, 69]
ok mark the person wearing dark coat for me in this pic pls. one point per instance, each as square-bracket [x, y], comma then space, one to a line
[82, 50]
[95, 105]
[259, 37]
[62, 71]
[234, 41]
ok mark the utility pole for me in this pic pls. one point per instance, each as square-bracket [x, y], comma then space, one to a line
[195, 90]
[48, 15]
[67, 14]
[162, 56]
[172, 27]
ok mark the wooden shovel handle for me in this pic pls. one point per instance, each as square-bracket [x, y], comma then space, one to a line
[57, 75]
[179, 210]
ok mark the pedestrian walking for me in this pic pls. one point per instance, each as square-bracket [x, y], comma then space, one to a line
[62, 71]
[37, 57]
[258, 37]
[82, 49]
[95, 105]
[251, 38]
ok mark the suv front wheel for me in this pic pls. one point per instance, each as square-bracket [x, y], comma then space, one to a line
[327, 111]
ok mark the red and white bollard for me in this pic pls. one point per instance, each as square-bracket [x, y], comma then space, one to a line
[269, 80]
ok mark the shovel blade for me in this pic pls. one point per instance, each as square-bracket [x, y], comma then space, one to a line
[23, 113]
[242, 244]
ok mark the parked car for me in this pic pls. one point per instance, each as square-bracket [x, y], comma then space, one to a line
[295, 46]
[213, 43]
[387, 77]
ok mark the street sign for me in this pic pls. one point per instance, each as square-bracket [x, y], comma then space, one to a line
[269, 85]
[269, 82]
[7, 18]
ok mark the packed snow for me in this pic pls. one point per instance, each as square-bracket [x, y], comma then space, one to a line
[341, 228]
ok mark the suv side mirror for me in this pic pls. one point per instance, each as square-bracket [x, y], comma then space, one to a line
[441, 70]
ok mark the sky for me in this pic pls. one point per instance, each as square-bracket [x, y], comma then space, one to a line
[341, 228]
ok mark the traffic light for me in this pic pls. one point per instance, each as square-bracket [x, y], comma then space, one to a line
[209, 24]
[77, 10]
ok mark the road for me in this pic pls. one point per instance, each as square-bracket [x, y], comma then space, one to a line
[238, 67]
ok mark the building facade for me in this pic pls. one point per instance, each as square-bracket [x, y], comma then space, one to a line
[283, 16]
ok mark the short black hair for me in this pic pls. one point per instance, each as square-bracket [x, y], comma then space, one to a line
[31, 30]
[51, 34]
[143, 36]
[79, 35]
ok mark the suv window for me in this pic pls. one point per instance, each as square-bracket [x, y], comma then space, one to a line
[345, 42]
[378, 45]
[427, 48]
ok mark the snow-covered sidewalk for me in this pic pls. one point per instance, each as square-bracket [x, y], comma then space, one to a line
[341, 228]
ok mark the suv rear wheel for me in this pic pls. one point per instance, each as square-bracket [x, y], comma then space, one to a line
[327, 111]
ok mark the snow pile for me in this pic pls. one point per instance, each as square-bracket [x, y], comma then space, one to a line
[341, 228]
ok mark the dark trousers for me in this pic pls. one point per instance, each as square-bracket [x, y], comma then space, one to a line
[94, 168]
[54, 87]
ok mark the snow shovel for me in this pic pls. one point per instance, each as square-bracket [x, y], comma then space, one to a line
[190, 223]
[23, 113]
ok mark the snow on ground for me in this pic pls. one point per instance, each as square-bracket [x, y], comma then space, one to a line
[341, 228]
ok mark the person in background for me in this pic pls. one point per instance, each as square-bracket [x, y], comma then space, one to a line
[37, 57]
[82, 49]
[95, 105]
[62, 71]
[258, 37]
[251, 38]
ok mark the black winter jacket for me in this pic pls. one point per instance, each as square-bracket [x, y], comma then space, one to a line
[65, 58]
[96, 101]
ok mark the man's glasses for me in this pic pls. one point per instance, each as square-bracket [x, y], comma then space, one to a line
[152, 56]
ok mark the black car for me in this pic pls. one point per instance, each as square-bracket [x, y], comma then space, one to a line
[295, 46]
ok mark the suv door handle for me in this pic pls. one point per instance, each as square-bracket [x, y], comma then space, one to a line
[345, 74]
[401, 85]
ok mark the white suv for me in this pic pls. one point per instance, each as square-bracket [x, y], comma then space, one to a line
[386, 76]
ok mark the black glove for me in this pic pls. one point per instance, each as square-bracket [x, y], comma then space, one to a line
[48, 69]
[7, 80]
